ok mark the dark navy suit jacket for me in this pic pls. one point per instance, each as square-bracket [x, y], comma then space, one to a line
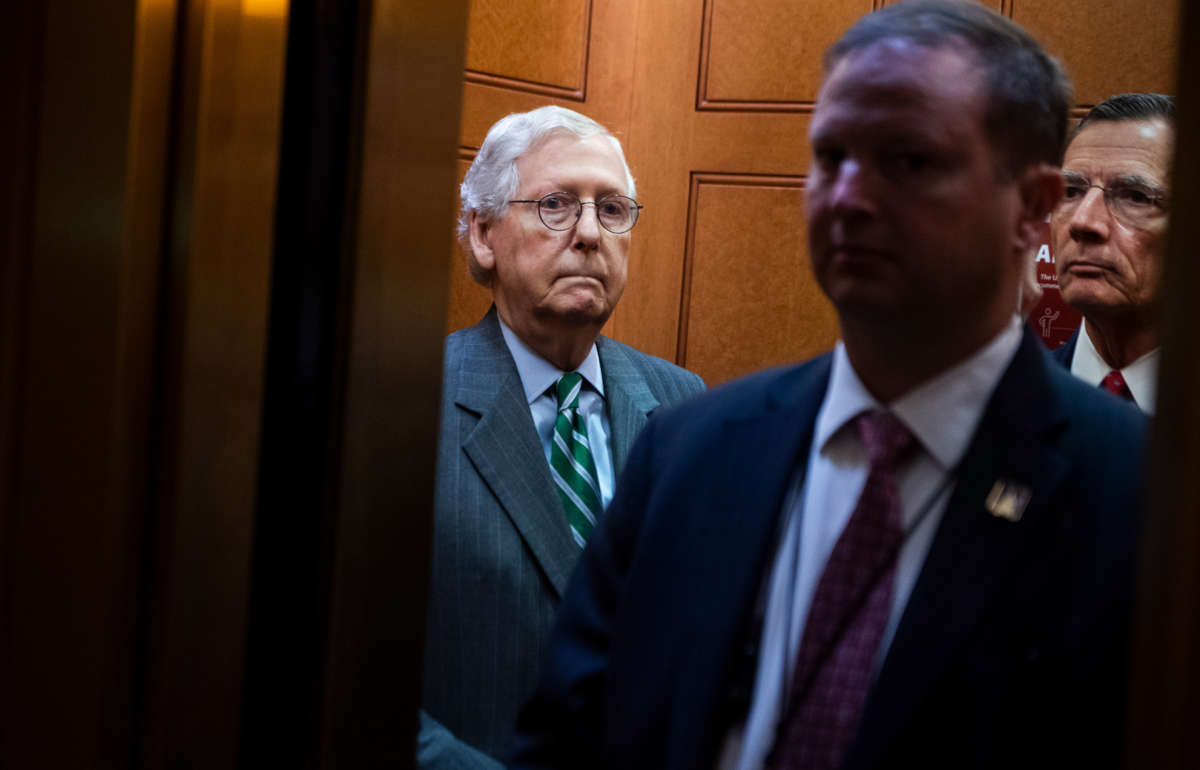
[1011, 651]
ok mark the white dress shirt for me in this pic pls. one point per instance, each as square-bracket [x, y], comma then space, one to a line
[1141, 376]
[942, 414]
[538, 378]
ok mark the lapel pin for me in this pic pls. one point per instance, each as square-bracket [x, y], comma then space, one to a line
[1007, 500]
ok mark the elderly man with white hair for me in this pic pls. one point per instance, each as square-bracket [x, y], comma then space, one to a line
[538, 414]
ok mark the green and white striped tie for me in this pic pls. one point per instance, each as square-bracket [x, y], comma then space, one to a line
[571, 461]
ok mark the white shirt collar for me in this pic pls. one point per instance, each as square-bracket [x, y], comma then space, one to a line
[942, 412]
[538, 375]
[1141, 376]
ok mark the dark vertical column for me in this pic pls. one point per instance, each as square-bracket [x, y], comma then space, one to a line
[20, 58]
[405, 236]
[77, 300]
[364, 230]
[1164, 707]
[300, 460]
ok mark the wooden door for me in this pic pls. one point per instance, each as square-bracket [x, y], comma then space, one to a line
[712, 100]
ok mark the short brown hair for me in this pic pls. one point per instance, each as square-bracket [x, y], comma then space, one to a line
[1028, 94]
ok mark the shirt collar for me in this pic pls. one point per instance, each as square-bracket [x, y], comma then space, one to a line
[538, 375]
[942, 412]
[1141, 376]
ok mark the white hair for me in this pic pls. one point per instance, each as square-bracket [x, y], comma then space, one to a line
[492, 179]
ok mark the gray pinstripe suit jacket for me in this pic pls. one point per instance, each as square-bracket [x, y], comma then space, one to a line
[502, 549]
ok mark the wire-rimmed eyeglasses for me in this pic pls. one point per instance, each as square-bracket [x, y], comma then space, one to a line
[1131, 201]
[561, 210]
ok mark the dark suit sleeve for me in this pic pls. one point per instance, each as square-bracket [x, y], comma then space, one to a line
[440, 749]
[562, 724]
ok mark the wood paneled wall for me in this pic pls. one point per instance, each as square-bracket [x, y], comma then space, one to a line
[711, 99]
[1108, 46]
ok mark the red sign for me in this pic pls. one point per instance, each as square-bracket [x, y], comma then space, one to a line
[1051, 318]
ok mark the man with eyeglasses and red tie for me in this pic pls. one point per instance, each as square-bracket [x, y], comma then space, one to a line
[538, 414]
[1109, 233]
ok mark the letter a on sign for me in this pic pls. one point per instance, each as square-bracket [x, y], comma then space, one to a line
[1044, 254]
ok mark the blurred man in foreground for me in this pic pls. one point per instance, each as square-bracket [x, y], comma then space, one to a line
[915, 552]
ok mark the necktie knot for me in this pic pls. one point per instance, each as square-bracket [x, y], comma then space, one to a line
[1113, 382]
[567, 390]
[885, 437]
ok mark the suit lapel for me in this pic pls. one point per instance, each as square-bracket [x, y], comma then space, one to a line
[628, 397]
[506, 452]
[1066, 352]
[974, 552]
[730, 553]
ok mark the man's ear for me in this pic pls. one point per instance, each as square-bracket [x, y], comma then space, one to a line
[1041, 188]
[479, 231]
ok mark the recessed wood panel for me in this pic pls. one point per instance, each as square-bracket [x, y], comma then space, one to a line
[734, 141]
[750, 299]
[484, 104]
[468, 300]
[530, 45]
[1107, 46]
[766, 54]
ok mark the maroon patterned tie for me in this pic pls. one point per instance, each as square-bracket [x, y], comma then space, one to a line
[849, 612]
[1113, 382]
